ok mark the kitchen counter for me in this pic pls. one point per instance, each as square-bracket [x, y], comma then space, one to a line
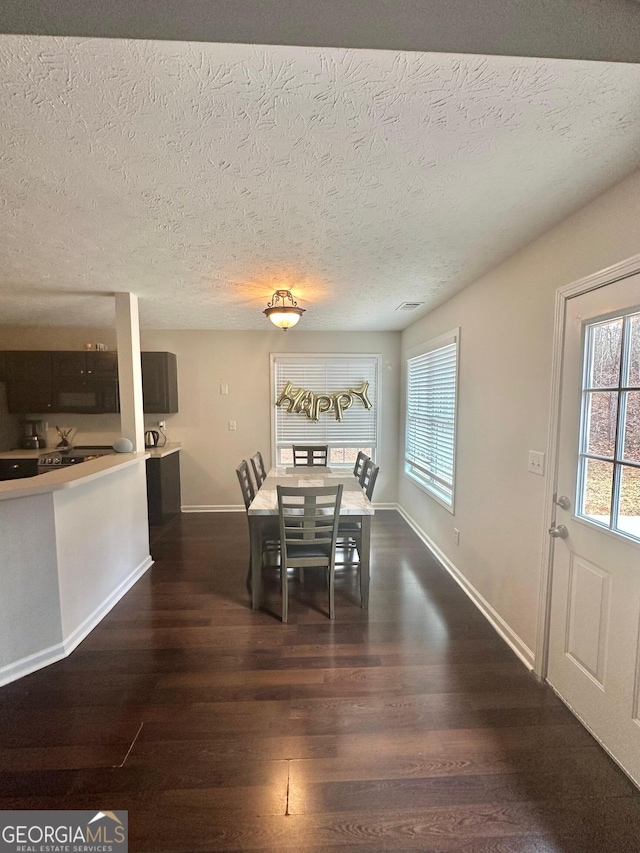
[23, 454]
[65, 478]
[154, 452]
[74, 540]
[165, 450]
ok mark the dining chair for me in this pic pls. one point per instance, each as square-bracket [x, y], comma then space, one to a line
[259, 472]
[361, 459]
[271, 529]
[308, 519]
[368, 477]
[351, 530]
[310, 455]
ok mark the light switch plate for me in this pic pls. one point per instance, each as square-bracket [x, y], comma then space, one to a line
[536, 462]
[232, 426]
[224, 388]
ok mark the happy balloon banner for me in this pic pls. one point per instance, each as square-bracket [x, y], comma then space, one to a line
[299, 401]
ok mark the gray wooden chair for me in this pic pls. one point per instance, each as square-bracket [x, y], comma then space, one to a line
[271, 530]
[308, 520]
[310, 455]
[350, 531]
[368, 477]
[259, 471]
[358, 467]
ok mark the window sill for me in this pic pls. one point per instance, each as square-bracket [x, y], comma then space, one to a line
[423, 488]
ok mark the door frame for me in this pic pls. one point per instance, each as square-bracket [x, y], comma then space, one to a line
[609, 275]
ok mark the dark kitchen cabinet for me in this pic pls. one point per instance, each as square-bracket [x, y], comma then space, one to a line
[29, 383]
[163, 488]
[84, 365]
[17, 469]
[83, 382]
[4, 366]
[160, 382]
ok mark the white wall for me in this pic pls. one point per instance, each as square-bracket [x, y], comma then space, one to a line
[66, 557]
[241, 360]
[29, 594]
[210, 451]
[506, 320]
[102, 538]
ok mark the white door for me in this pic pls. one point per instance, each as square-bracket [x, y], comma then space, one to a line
[594, 642]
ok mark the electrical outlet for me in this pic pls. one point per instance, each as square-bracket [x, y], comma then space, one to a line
[232, 426]
[456, 535]
[224, 388]
[536, 462]
[161, 424]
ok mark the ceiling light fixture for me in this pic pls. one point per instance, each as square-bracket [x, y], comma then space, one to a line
[281, 314]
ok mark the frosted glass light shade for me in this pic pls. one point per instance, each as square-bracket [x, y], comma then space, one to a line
[283, 318]
[283, 310]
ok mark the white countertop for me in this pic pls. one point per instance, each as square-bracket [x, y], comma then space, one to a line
[67, 477]
[23, 454]
[165, 450]
[153, 452]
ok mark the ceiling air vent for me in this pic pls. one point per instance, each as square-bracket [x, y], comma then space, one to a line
[409, 306]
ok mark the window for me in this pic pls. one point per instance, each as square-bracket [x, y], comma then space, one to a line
[608, 488]
[431, 417]
[326, 374]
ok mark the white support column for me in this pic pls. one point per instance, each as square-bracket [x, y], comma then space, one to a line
[129, 369]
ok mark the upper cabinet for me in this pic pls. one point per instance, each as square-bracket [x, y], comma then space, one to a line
[40, 382]
[29, 382]
[160, 382]
[85, 365]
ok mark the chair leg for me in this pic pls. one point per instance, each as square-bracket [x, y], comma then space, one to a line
[285, 590]
[332, 585]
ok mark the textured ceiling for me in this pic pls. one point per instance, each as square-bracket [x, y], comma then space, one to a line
[203, 176]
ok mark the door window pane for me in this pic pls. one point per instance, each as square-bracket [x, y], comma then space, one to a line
[601, 423]
[605, 348]
[631, 451]
[609, 491]
[629, 513]
[598, 486]
[634, 351]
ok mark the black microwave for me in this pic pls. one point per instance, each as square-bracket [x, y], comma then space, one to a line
[90, 397]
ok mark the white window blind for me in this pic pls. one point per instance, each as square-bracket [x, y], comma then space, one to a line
[431, 417]
[326, 374]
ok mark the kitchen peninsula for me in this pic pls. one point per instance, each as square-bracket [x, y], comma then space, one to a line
[73, 542]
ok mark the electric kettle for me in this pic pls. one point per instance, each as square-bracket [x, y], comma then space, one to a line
[151, 438]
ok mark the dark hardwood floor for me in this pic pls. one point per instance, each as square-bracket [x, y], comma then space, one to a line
[410, 727]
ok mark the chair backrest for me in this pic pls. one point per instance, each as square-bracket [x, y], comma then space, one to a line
[260, 475]
[309, 455]
[309, 516]
[368, 477]
[248, 492]
[357, 468]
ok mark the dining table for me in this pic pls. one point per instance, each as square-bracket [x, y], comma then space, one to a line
[355, 506]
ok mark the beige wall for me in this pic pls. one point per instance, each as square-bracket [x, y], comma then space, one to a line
[506, 321]
[240, 360]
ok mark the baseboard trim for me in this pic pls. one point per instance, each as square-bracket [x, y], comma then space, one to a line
[492, 616]
[84, 629]
[213, 508]
[38, 660]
